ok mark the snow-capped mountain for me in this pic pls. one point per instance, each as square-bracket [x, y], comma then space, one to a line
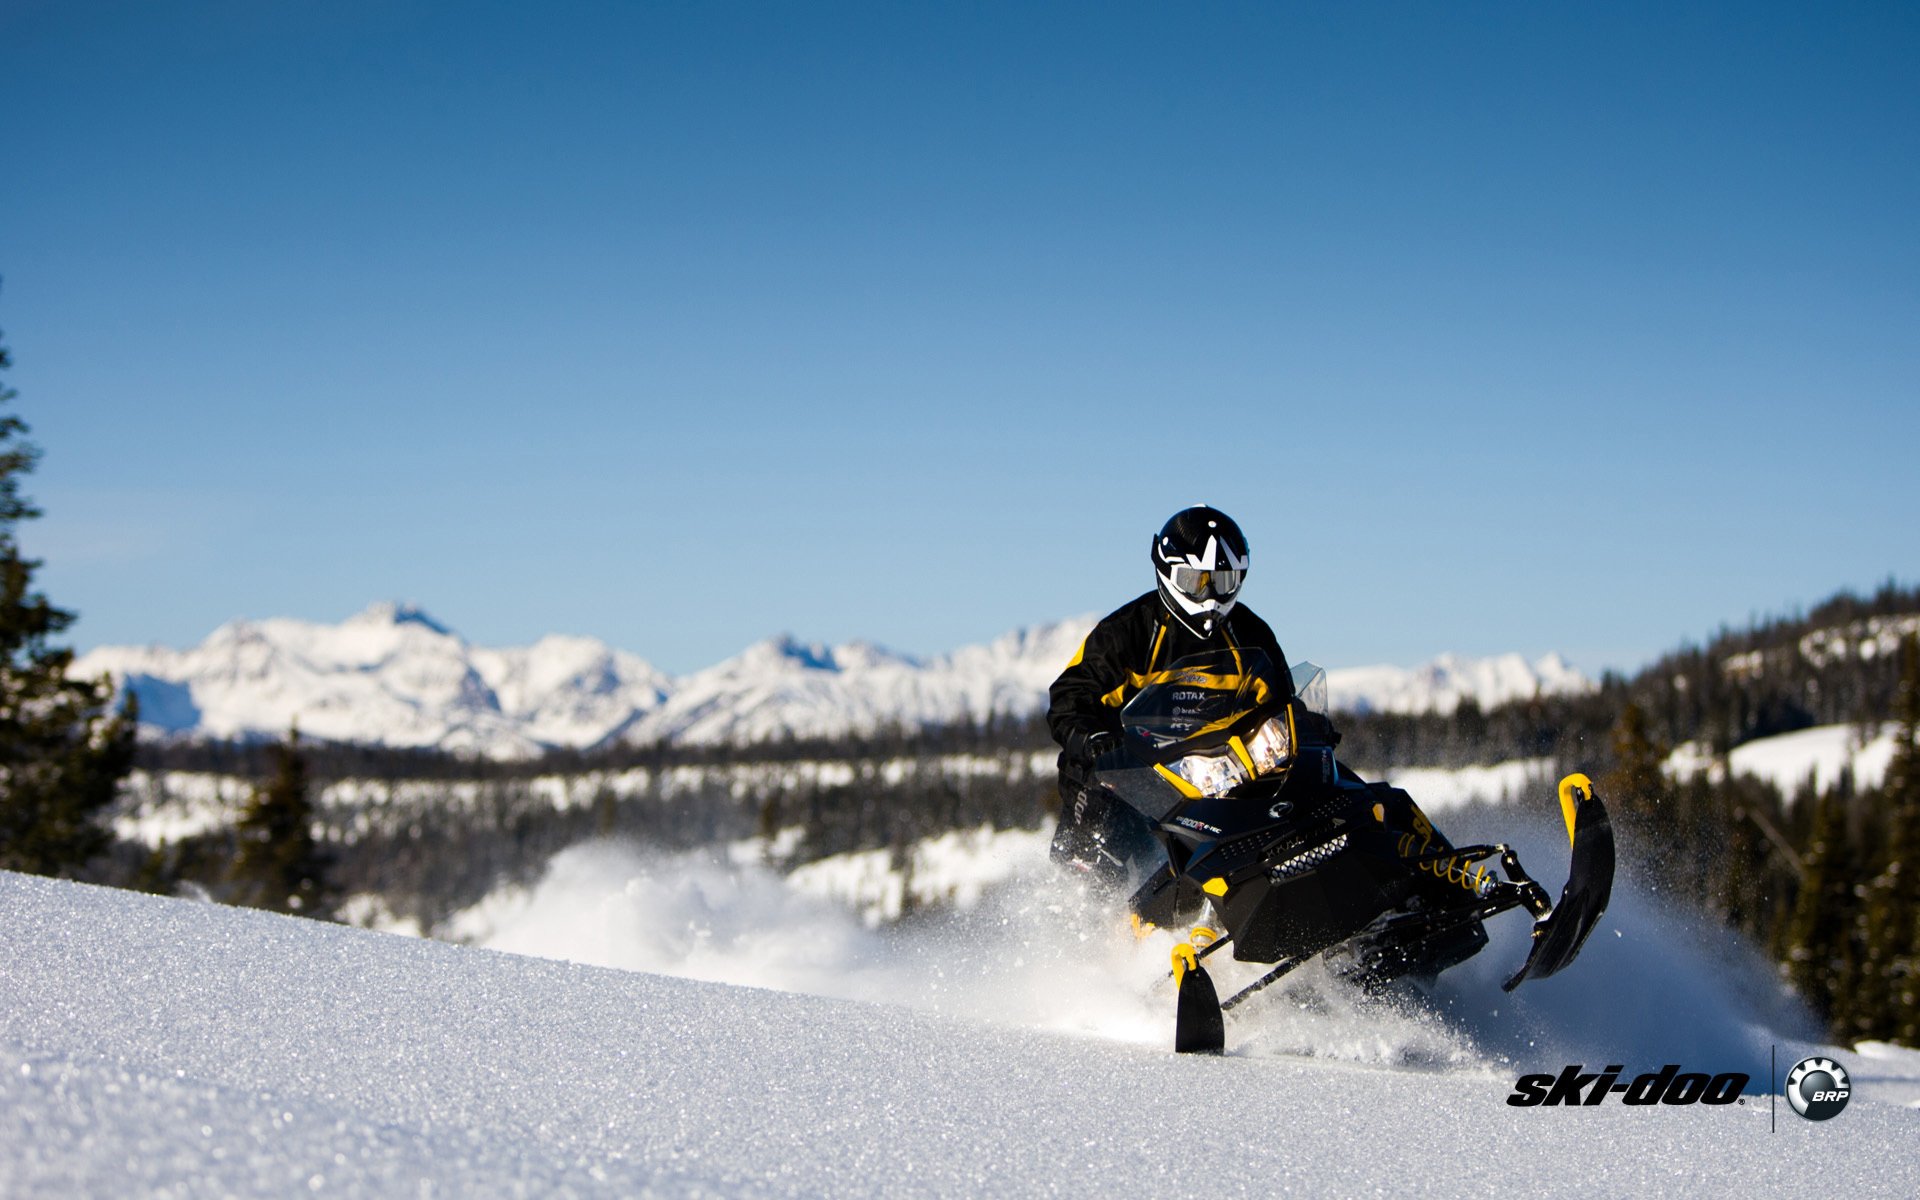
[394, 676]
[388, 676]
[783, 688]
[1443, 683]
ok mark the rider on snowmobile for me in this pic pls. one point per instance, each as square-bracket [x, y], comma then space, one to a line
[1199, 562]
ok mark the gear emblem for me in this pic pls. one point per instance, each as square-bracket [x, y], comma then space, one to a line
[1818, 1088]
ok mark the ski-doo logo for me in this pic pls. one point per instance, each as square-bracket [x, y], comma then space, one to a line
[1665, 1086]
[1818, 1088]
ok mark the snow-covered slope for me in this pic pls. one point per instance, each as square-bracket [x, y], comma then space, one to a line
[393, 676]
[155, 1047]
[1789, 760]
[1863, 640]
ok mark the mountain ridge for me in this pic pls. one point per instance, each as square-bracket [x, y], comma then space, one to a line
[393, 675]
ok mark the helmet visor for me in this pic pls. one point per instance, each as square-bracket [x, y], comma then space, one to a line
[1198, 584]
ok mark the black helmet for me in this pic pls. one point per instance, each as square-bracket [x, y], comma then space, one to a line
[1200, 559]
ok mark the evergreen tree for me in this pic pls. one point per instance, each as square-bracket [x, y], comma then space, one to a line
[1636, 789]
[1761, 870]
[279, 865]
[1469, 731]
[1697, 862]
[63, 752]
[1891, 917]
[1822, 958]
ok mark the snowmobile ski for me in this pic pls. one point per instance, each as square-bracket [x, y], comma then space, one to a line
[1558, 936]
[1198, 1025]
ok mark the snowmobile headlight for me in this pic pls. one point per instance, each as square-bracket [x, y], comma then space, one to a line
[1271, 746]
[1210, 774]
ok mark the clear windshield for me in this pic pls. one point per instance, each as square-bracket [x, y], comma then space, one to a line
[1310, 684]
[1202, 698]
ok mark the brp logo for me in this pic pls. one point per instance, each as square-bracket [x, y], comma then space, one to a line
[1818, 1088]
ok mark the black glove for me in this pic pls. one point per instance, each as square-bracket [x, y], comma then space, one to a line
[1099, 742]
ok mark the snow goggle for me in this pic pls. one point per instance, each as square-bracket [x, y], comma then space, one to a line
[1201, 584]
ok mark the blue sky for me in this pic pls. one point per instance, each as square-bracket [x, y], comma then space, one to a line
[1499, 327]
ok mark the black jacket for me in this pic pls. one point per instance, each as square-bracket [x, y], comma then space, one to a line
[1124, 649]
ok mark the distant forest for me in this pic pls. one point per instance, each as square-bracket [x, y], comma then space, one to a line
[1827, 883]
[1742, 685]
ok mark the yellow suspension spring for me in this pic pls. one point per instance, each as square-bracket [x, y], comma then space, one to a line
[1454, 871]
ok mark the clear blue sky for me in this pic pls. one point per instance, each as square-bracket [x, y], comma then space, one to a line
[1499, 327]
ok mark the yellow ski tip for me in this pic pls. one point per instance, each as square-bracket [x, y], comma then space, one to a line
[1573, 789]
[1184, 960]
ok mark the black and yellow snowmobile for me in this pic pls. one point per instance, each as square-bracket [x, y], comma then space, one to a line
[1294, 856]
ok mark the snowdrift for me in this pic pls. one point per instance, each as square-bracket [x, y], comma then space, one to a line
[166, 1047]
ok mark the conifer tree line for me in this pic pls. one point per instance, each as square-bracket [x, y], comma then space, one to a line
[1776, 676]
[1851, 943]
[427, 847]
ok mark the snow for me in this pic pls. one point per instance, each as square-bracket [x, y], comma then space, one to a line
[392, 675]
[1441, 685]
[781, 688]
[953, 868]
[1788, 760]
[733, 918]
[1875, 637]
[1437, 789]
[170, 806]
[164, 1047]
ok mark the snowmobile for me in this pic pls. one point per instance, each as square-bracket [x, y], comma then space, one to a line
[1296, 857]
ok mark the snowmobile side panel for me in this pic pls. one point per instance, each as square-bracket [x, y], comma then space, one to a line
[1275, 919]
